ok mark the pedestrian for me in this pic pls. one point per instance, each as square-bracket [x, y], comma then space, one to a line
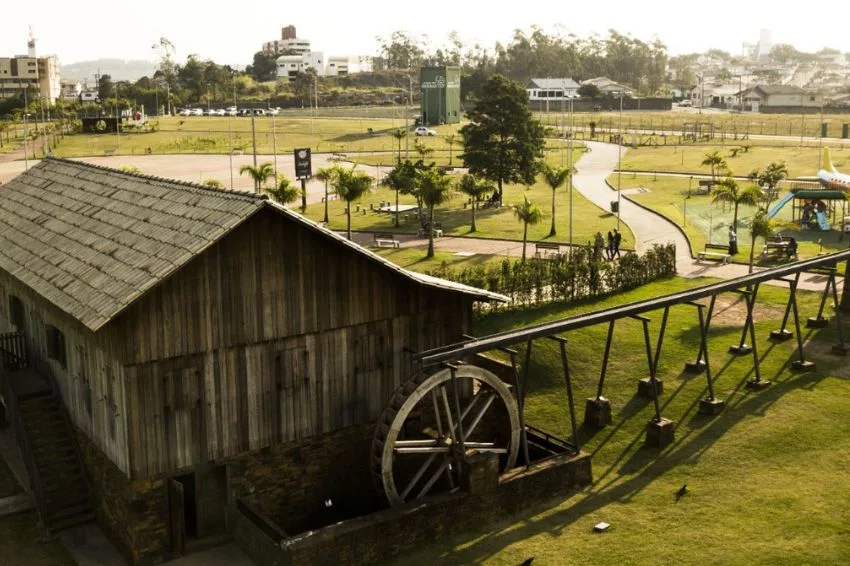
[617, 238]
[609, 249]
[733, 241]
[598, 247]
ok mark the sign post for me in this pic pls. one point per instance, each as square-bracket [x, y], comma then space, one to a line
[303, 171]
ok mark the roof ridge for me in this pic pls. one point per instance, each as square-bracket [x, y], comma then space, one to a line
[197, 186]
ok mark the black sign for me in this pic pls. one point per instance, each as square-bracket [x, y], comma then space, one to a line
[303, 165]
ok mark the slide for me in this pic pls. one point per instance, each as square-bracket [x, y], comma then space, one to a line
[778, 206]
[822, 221]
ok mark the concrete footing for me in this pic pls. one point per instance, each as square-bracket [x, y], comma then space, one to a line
[695, 367]
[754, 385]
[817, 322]
[660, 433]
[597, 412]
[711, 407]
[645, 387]
[741, 349]
[798, 365]
[781, 335]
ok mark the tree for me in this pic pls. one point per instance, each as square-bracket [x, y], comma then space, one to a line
[401, 51]
[434, 189]
[555, 177]
[588, 91]
[399, 135]
[760, 227]
[772, 175]
[715, 161]
[503, 141]
[264, 67]
[451, 140]
[326, 174]
[213, 183]
[526, 213]
[105, 88]
[729, 191]
[260, 174]
[304, 85]
[284, 192]
[475, 188]
[422, 149]
[401, 179]
[350, 185]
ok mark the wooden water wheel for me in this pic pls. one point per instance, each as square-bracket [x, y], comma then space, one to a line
[419, 444]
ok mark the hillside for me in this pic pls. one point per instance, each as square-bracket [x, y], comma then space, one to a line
[118, 69]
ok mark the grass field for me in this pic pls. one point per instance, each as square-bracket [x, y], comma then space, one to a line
[698, 216]
[491, 223]
[800, 161]
[767, 481]
[724, 123]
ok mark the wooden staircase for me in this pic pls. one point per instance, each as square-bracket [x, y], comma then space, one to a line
[65, 498]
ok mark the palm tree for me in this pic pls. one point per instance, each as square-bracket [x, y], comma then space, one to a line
[350, 185]
[715, 161]
[285, 192]
[422, 149]
[434, 189]
[771, 176]
[401, 179]
[760, 227]
[399, 135]
[325, 174]
[729, 191]
[475, 188]
[260, 174]
[451, 139]
[527, 213]
[555, 177]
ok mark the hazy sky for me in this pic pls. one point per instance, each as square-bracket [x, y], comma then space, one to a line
[231, 32]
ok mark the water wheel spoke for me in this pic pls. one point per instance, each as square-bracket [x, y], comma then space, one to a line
[446, 406]
[469, 430]
[409, 443]
[422, 450]
[444, 467]
[418, 475]
[437, 412]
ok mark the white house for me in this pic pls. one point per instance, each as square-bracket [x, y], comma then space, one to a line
[290, 65]
[339, 65]
[780, 95]
[552, 89]
[607, 87]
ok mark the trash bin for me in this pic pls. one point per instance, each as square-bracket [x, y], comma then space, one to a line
[615, 206]
[824, 129]
[845, 130]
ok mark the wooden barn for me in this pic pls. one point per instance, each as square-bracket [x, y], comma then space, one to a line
[208, 344]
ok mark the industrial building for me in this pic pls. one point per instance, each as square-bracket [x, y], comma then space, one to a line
[440, 95]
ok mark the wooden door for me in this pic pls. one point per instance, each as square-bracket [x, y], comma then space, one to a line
[176, 513]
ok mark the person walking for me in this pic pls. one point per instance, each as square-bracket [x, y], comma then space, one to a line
[733, 241]
[617, 239]
[609, 249]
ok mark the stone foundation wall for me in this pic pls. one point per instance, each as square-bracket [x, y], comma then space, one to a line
[377, 537]
[290, 483]
[132, 514]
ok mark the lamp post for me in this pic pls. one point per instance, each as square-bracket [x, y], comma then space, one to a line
[570, 166]
[619, 160]
[26, 131]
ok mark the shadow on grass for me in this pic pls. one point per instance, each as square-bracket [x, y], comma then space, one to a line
[689, 445]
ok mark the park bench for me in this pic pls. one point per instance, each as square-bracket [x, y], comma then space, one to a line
[389, 240]
[779, 249]
[704, 187]
[547, 249]
[721, 255]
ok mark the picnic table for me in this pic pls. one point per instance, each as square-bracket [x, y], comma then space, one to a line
[393, 209]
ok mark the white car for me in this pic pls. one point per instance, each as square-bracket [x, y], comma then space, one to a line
[219, 112]
[273, 111]
[231, 111]
[685, 102]
[209, 112]
[423, 131]
[185, 112]
[196, 112]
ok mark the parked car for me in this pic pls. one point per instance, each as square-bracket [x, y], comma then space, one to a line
[196, 112]
[231, 111]
[219, 112]
[209, 112]
[273, 111]
[259, 112]
[423, 131]
[685, 102]
[184, 112]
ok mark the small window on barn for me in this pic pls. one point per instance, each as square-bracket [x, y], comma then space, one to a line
[16, 313]
[811, 98]
[56, 345]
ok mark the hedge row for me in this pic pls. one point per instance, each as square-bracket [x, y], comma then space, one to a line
[580, 275]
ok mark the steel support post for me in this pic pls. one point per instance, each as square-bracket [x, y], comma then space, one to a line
[800, 364]
[758, 382]
[520, 398]
[841, 347]
[784, 334]
[819, 321]
[562, 342]
[742, 348]
[597, 411]
[648, 387]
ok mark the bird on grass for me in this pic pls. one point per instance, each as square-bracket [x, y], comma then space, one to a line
[527, 561]
[682, 491]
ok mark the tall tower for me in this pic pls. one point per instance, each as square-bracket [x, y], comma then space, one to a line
[288, 32]
[31, 45]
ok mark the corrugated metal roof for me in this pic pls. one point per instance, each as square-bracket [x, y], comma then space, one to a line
[93, 240]
[549, 83]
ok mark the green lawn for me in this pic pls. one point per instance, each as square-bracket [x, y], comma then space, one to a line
[414, 259]
[697, 214]
[197, 134]
[767, 481]
[491, 223]
[800, 161]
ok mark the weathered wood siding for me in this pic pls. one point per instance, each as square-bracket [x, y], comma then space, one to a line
[91, 382]
[273, 334]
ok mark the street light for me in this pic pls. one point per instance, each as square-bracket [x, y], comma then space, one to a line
[619, 159]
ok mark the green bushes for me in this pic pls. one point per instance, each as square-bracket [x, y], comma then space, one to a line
[580, 275]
